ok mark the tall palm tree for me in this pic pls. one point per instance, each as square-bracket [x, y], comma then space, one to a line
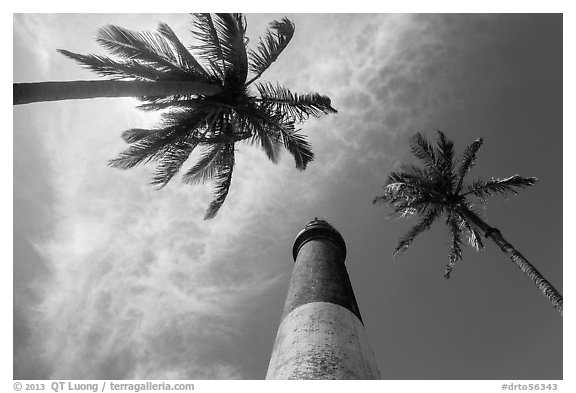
[241, 109]
[438, 187]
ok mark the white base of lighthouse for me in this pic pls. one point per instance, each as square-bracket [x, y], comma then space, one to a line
[321, 340]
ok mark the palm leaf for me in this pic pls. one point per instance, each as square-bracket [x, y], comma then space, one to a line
[405, 198]
[145, 149]
[474, 236]
[222, 45]
[422, 149]
[299, 147]
[135, 134]
[409, 191]
[186, 118]
[295, 143]
[177, 127]
[183, 57]
[419, 179]
[456, 249]
[404, 204]
[404, 207]
[445, 163]
[276, 39]
[467, 161]
[172, 160]
[205, 168]
[209, 47]
[445, 157]
[105, 66]
[261, 121]
[232, 28]
[485, 189]
[147, 47]
[298, 107]
[223, 180]
[270, 143]
[445, 152]
[422, 226]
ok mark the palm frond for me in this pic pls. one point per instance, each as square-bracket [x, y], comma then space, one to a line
[406, 212]
[205, 168]
[417, 180]
[261, 121]
[222, 45]
[485, 189]
[223, 181]
[424, 150]
[467, 161]
[185, 118]
[104, 66]
[397, 186]
[445, 160]
[172, 160]
[409, 191]
[456, 249]
[270, 143]
[135, 134]
[295, 143]
[402, 199]
[143, 150]
[445, 151]
[474, 236]
[296, 106]
[422, 226]
[150, 48]
[209, 47]
[183, 57]
[233, 28]
[177, 127]
[276, 39]
[299, 147]
[404, 207]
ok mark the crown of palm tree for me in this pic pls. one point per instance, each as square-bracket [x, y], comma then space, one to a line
[266, 115]
[438, 188]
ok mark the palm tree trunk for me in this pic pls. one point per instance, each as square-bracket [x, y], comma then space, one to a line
[519, 260]
[25, 93]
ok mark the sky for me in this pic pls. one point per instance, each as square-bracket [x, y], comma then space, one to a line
[113, 279]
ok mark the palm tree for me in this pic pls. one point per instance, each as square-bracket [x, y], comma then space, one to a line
[438, 187]
[240, 109]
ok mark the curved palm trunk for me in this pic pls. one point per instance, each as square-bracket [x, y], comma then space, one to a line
[25, 93]
[519, 260]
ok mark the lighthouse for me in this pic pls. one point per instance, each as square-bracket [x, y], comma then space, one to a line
[321, 333]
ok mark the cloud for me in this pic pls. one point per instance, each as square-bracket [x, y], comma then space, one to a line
[140, 291]
[28, 33]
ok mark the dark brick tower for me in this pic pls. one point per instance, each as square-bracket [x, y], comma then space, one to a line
[321, 334]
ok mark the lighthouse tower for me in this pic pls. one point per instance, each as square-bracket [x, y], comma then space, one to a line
[321, 333]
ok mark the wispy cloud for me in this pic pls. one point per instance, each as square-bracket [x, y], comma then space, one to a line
[143, 287]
